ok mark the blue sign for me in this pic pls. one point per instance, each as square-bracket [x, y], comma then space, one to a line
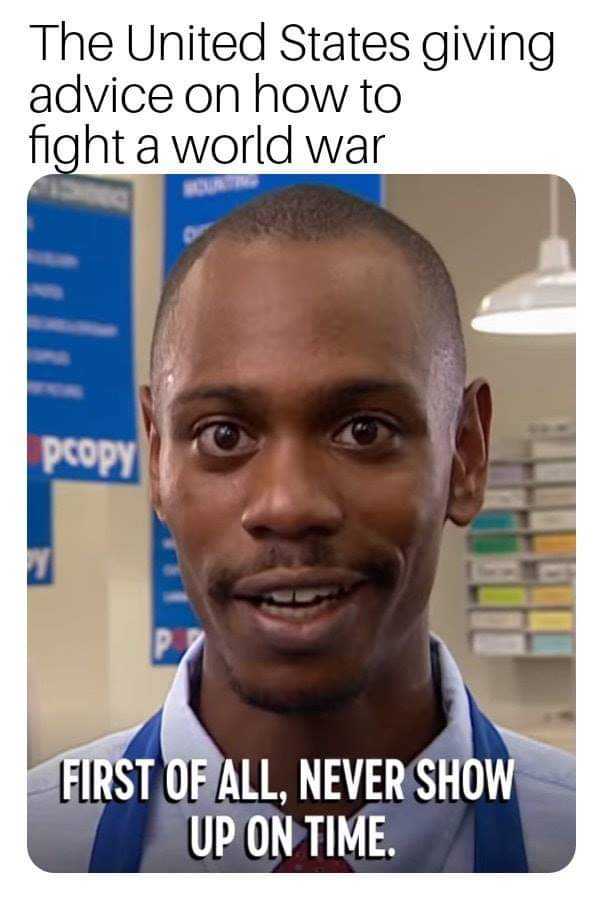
[175, 626]
[81, 404]
[39, 533]
[192, 204]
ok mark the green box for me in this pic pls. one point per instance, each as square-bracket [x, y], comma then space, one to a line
[496, 544]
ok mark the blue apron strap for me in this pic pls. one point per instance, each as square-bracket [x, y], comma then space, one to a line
[119, 839]
[499, 844]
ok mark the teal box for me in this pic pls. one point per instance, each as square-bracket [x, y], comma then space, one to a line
[495, 519]
[552, 644]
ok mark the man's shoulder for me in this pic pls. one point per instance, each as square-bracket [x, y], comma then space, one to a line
[540, 763]
[546, 788]
[60, 835]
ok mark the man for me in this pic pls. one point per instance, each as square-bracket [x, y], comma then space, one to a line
[310, 433]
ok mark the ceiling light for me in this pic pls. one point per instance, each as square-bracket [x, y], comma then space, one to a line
[539, 302]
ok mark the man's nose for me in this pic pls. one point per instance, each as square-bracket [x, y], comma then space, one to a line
[291, 497]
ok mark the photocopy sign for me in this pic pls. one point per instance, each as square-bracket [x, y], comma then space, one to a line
[192, 204]
[81, 410]
[39, 533]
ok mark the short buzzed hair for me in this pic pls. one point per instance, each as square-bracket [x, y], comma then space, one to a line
[316, 213]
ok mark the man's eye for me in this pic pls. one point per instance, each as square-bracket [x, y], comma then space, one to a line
[223, 439]
[366, 432]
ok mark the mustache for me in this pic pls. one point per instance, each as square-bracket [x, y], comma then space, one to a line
[379, 567]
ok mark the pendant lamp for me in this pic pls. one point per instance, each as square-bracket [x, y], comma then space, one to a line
[541, 301]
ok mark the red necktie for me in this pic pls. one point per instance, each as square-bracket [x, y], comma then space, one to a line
[301, 861]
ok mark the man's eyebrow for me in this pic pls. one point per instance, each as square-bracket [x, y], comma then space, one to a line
[400, 393]
[222, 392]
[348, 392]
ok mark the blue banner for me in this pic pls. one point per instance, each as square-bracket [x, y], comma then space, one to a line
[81, 402]
[40, 567]
[175, 625]
[192, 204]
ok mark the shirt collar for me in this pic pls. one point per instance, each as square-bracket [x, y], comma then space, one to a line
[421, 833]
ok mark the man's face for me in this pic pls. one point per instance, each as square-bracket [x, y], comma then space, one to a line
[302, 463]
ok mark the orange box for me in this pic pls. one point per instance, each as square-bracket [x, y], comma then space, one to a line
[558, 543]
[552, 595]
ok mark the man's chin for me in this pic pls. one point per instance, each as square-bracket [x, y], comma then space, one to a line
[297, 701]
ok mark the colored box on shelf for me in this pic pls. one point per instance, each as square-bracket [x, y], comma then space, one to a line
[497, 643]
[501, 595]
[555, 571]
[552, 595]
[506, 474]
[495, 569]
[555, 471]
[550, 620]
[552, 644]
[496, 544]
[560, 543]
[495, 498]
[561, 496]
[552, 519]
[552, 449]
[496, 620]
[495, 519]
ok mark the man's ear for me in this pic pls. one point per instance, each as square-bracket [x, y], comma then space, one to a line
[470, 463]
[146, 403]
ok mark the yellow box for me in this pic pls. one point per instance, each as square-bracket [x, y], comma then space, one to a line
[501, 595]
[552, 595]
[558, 543]
[550, 620]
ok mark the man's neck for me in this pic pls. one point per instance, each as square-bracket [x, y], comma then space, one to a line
[396, 716]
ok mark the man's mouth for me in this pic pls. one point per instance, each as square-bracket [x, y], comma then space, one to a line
[300, 604]
[298, 595]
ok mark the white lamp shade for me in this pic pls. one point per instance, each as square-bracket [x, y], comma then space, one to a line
[540, 302]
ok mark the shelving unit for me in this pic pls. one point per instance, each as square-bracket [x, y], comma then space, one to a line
[521, 555]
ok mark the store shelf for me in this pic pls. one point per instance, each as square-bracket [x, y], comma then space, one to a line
[503, 607]
[526, 632]
[528, 655]
[525, 498]
[568, 483]
[527, 556]
[519, 582]
[529, 507]
[505, 461]
[521, 531]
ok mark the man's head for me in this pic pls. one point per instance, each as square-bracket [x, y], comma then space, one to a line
[309, 436]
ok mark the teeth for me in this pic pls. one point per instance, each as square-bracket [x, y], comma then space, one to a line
[296, 614]
[308, 595]
[282, 595]
[302, 596]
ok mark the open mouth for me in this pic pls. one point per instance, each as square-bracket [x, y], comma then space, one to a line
[301, 609]
[300, 604]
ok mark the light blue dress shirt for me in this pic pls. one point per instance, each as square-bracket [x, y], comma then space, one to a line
[427, 836]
